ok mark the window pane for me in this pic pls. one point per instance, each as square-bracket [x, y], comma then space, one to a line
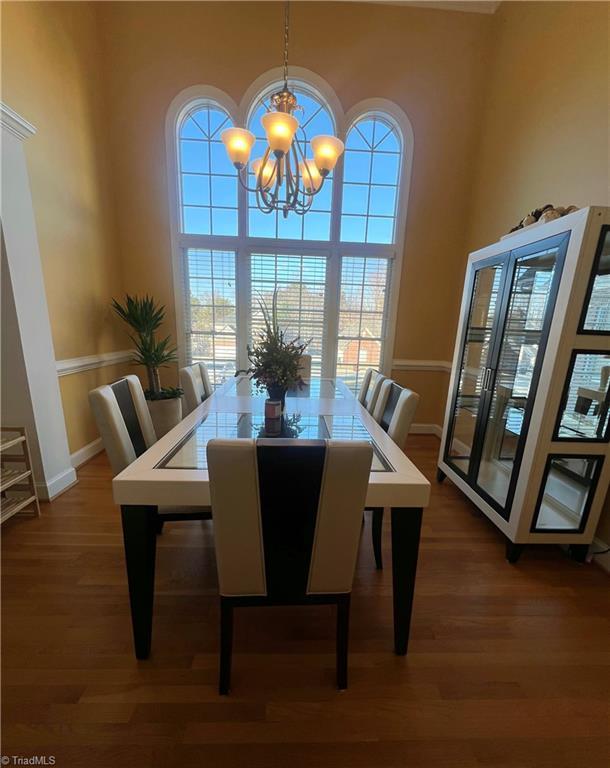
[355, 198]
[195, 190]
[568, 488]
[353, 229]
[210, 312]
[586, 400]
[362, 312]
[196, 221]
[372, 160]
[598, 309]
[202, 158]
[301, 283]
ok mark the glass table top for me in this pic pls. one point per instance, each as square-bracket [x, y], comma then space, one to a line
[315, 388]
[190, 453]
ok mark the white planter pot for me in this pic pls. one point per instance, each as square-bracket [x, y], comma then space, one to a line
[165, 414]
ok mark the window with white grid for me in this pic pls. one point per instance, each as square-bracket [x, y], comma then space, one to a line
[362, 316]
[208, 185]
[211, 311]
[371, 172]
[332, 267]
[300, 282]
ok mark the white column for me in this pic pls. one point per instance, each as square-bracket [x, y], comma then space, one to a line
[30, 389]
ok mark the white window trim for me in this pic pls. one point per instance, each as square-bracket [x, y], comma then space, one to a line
[243, 245]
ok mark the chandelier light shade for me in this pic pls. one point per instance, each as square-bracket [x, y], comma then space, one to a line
[280, 128]
[238, 143]
[285, 179]
[326, 151]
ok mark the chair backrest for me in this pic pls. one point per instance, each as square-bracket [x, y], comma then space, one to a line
[123, 421]
[305, 367]
[395, 409]
[364, 386]
[195, 382]
[374, 389]
[291, 526]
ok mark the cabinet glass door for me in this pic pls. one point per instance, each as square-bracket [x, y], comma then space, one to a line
[474, 370]
[530, 305]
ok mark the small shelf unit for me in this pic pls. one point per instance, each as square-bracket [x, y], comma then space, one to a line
[17, 488]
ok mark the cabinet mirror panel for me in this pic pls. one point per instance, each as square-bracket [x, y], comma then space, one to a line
[473, 367]
[568, 488]
[584, 413]
[597, 308]
[528, 305]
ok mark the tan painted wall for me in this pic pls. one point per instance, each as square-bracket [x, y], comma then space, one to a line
[429, 62]
[545, 131]
[544, 135]
[51, 75]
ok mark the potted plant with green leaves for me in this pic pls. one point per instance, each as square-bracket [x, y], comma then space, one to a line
[274, 360]
[144, 316]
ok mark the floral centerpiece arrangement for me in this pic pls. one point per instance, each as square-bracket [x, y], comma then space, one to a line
[274, 360]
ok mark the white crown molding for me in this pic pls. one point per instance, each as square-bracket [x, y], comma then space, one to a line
[89, 362]
[421, 365]
[14, 123]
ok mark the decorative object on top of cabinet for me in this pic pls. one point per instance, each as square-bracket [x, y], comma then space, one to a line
[527, 424]
[17, 488]
[543, 215]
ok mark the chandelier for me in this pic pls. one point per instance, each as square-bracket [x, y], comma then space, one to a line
[285, 179]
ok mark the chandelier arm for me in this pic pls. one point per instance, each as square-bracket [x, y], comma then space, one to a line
[243, 183]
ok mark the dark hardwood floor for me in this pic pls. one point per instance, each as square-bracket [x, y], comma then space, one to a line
[509, 666]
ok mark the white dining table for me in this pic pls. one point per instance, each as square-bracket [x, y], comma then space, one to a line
[173, 472]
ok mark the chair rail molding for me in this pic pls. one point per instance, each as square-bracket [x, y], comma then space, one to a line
[14, 123]
[89, 362]
[421, 365]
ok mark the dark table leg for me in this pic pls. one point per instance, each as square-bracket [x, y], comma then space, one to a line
[406, 527]
[140, 539]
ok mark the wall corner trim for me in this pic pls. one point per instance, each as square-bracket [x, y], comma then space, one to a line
[421, 365]
[89, 362]
[14, 123]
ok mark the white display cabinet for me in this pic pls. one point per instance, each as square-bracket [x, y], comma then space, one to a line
[527, 426]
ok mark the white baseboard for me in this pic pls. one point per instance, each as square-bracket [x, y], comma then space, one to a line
[56, 485]
[602, 560]
[87, 452]
[426, 429]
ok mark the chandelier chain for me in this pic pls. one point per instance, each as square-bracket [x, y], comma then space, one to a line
[286, 28]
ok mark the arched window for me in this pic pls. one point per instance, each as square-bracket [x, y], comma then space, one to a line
[370, 181]
[208, 182]
[332, 268]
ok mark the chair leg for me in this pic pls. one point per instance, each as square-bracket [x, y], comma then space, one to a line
[376, 531]
[226, 646]
[342, 640]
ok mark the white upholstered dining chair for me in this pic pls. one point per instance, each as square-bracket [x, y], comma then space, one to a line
[394, 412]
[195, 381]
[125, 426]
[288, 532]
[374, 389]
